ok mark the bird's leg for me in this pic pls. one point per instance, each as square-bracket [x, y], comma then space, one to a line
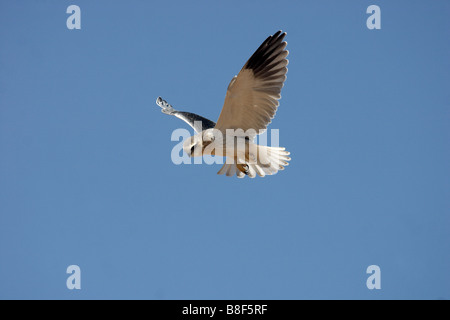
[242, 168]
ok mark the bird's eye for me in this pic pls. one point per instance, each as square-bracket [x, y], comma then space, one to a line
[192, 149]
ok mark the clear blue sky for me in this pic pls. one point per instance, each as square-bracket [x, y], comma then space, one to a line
[86, 176]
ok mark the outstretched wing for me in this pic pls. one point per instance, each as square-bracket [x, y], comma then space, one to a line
[198, 123]
[252, 96]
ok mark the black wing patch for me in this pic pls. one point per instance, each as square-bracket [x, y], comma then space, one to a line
[268, 51]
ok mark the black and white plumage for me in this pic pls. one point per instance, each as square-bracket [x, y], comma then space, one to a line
[250, 104]
[192, 119]
[252, 96]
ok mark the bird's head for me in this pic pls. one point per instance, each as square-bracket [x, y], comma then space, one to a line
[195, 145]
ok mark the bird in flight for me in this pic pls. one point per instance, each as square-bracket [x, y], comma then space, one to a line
[250, 103]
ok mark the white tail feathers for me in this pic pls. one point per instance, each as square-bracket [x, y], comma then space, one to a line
[269, 161]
